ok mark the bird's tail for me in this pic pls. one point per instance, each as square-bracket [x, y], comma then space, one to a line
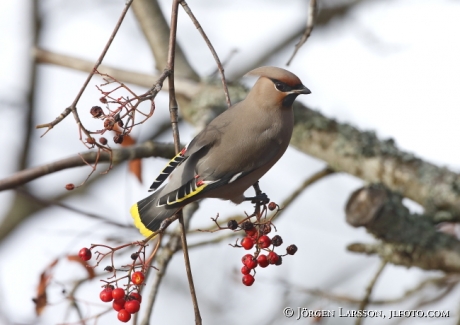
[148, 216]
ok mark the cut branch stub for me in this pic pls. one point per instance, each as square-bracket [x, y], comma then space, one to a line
[408, 239]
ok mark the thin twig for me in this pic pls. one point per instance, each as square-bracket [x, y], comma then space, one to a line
[365, 301]
[163, 258]
[73, 107]
[310, 24]
[211, 48]
[173, 110]
[49, 203]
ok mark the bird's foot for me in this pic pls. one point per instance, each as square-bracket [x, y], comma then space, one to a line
[261, 198]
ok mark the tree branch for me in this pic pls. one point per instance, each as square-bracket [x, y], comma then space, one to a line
[408, 239]
[156, 31]
[184, 87]
[146, 149]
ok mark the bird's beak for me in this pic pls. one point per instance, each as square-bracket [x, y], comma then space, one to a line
[301, 90]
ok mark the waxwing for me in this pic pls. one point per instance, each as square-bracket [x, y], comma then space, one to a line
[230, 154]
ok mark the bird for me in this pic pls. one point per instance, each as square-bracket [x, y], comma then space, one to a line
[230, 154]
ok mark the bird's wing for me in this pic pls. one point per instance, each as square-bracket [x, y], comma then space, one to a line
[170, 166]
[209, 167]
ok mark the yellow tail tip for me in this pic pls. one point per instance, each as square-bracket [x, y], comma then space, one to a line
[138, 222]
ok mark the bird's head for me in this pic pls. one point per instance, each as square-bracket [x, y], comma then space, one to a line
[277, 86]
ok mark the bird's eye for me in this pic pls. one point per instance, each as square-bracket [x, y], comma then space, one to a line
[281, 86]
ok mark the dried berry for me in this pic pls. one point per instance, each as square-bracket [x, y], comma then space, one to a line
[247, 225]
[103, 141]
[108, 268]
[265, 229]
[291, 249]
[118, 138]
[109, 123]
[134, 256]
[96, 111]
[103, 100]
[272, 206]
[277, 241]
[279, 261]
[90, 140]
[232, 224]
[69, 187]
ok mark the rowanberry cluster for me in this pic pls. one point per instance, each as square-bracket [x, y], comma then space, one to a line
[125, 301]
[264, 255]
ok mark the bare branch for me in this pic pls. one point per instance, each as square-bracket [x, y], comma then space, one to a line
[310, 24]
[211, 48]
[146, 149]
[184, 87]
[163, 258]
[173, 109]
[156, 31]
[408, 239]
[73, 107]
[363, 304]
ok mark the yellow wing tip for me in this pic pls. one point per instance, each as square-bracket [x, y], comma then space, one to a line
[138, 222]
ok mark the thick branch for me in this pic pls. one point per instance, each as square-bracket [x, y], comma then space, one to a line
[185, 87]
[156, 30]
[146, 149]
[362, 154]
[409, 239]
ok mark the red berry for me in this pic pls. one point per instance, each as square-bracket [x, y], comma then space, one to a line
[69, 187]
[263, 260]
[251, 263]
[247, 243]
[124, 316]
[248, 280]
[85, 254]
[246, 257]
[273, 257]
[135, 296]
[118, 304]
[118, 293]
[137, 278]
[272, 206]
[251, 232]
[264, 241]
[245, 270]
[132, 306]
[106, 295]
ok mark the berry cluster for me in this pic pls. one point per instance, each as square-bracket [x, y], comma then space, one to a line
[125, 301]
[257, 237]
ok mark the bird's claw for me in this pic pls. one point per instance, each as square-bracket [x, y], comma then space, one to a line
[261, 198]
